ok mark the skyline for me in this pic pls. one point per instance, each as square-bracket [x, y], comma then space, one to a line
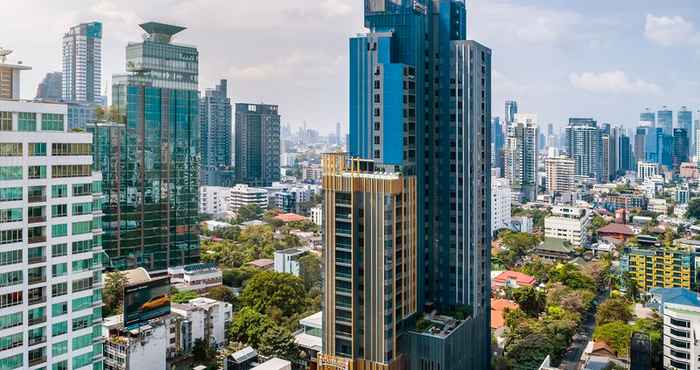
[592, 65]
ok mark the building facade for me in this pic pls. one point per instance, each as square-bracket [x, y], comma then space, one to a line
[214, 200]
[257, 144]
[585, 146]
[216, 128]
[659, 267]
[568, 223]
[681, 148]
[561, 174]
[50, 88]
[150, 157]
[82, 63]
[50, 232]
[500, 204]
[521, 158]
[242, 195]
[664, 120]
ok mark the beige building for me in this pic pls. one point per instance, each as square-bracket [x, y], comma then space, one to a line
[560, 174]
[568, 223]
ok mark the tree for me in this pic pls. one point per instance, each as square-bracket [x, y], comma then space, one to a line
[613, 309]
[693, 209]
[249, 212]
[223, 294]
[202, 351]
[310, 270]
[249, 326]
[529, 352]
[268, 289]
[184, 296]
[236, 277]
[617, 334]
[113, 293]
[530, 300]
[279, 342]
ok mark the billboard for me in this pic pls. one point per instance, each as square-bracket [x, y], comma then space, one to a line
[146, 301]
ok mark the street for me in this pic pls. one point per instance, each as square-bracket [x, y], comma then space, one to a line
[579, 342]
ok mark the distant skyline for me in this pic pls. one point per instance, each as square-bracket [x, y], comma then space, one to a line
[601, 59]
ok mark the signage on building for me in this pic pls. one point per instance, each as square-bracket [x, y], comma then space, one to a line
[146, 301]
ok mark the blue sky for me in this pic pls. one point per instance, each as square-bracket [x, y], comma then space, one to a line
[558, 58]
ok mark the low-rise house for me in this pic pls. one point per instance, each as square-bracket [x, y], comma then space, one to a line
[198, 277]
[262, 263]
[619, 232]
[553, 249]
[513, 279]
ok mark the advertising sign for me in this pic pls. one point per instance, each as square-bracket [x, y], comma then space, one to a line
[146, 301]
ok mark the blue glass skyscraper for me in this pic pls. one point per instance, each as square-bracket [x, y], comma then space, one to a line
[420, 97]
[664, 120]
[216, 129]
[685, 121]
[647, 118]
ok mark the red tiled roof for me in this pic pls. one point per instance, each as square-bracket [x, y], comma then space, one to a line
[519, 278]
[289, 217]
[616, 229]
[498, 308]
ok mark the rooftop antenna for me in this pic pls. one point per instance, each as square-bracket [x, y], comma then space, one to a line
[4, 53]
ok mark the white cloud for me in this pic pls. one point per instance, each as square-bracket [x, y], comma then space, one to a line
[670, 31]
[615, 82]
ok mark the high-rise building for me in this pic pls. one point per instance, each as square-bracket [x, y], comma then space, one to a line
[647, 118]
[697, 136]
[664, 120]
[681, 148]
[10, 79]
[82, 63]
[500, 204]
[150, 157]
[511, 111]
[685, 120]
[561, 173]
[521, 158]
[257, 144]
[370, 276]
[216, 129]
[415, 73]
[665, 148]
[640, 144]
[498, 140]
[50, 232]
[626, 162]
[584, 145]
[51, 87]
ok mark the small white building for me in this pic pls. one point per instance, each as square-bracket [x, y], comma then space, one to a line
[568, 223]
[317, 215]
[214, 200]
[657, 206]
[244, 195]
[500, 204]
[680, 309]
[274, 364]
[198, 276]
[209, 319]
[287, 260]
[141, 348]
[521, 224]
[646, 170]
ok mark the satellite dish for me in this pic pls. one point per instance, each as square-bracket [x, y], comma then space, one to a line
[4, 53]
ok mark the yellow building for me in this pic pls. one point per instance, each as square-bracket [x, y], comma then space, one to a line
[370, 263]
[660, 267]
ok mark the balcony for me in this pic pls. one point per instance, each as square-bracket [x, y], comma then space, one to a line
[37, 300]
[37, 360]
[36, 320]
[37, 239]
[37, 340]
[37, 198]
[36, 280]
[36, 219]
[36, 259]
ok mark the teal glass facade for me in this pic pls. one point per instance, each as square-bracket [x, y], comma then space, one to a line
[150, 157]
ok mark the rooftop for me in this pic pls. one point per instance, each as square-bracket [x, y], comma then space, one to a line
[680, 296]
[617, 229]
[314, 321]
[291, 251]
[161, 28]
[555, 245]
[262, 263]
[519, 277]
[498, 308]
[274, 364]
[289, 217]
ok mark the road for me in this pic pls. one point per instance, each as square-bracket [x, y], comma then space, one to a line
[573, 355]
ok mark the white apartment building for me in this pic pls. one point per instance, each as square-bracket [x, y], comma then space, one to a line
[214, 200]
[657, 206]
[243, 195]
[568, 223]
[317, 215]
[680, 309]
[561, 172]
[82, 63]
[209, 319]
[50, 241]
[500, 203]
[647, 170]
[287, 260]
[198, 276]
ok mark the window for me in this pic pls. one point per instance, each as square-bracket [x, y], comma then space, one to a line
[10, 149]
[26, 122]
[10, 257]
[82, 189]
[59, 230]
[11, 278]
[80, 228]
[11, 320]
[97, 187]
[59, 328]
[82, 246]
[37, 149]
[59, 309]
[11, 173]
[36, 172]
[5, 121]
[59, 149]
[59, 289]
[36, 234]
[12, 362]
[59, 191]
[36, 315]
[82, 322]
[36, 275]
[63, 365]
[59, 348]
[59, 269]
[59, 250]
[10, 236]
[73, 170]
[10, 215]
[82, 284]
[59, 210]
[10, 299]
[82, 341]
[36, 194]
[11, 194]
[82, 208]
[36, 254]
[11, 341]
[82, 360]
[52, 122]
[82, 303]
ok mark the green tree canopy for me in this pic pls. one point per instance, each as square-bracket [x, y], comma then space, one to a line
[249, 326]
[183, 296]
[310, 270]
[614, 309]
[616, 334]
[249, 212]
[223, 294]
[113, 293]
[269, 290]
[531, 300]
